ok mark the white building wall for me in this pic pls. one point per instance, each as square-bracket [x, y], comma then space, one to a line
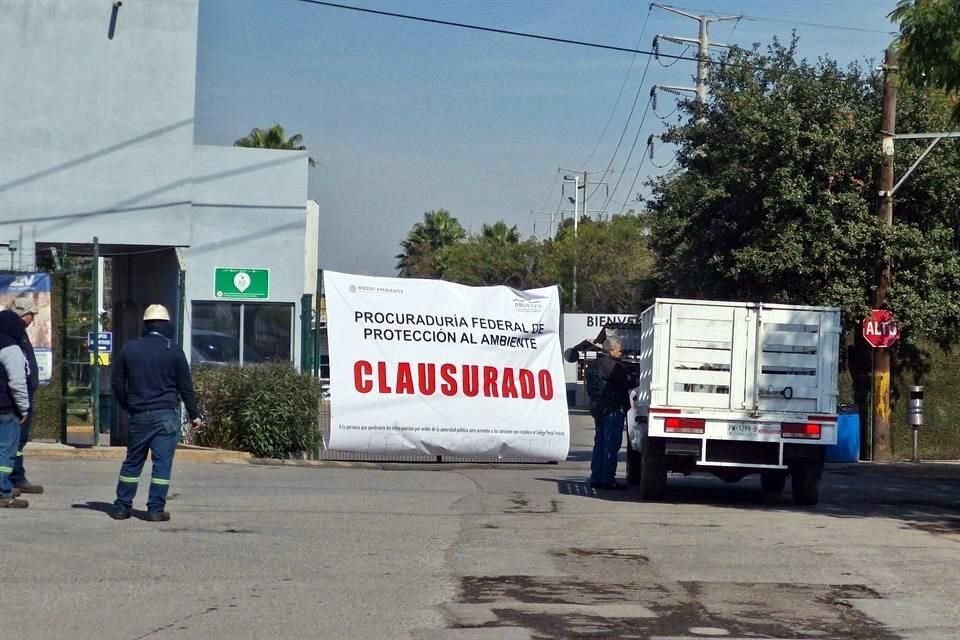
[249, 211]
[97, 133]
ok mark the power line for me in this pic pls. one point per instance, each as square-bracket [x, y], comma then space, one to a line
[669, 115]
[732, 31]
[818, 25]
[672, 160]
[507, 32]
[553, 183]
[667, 66]
[636, 176]
[630, 155]
[626, 126]
[623, 85]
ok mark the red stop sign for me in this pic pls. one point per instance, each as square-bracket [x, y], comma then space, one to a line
[880, 329]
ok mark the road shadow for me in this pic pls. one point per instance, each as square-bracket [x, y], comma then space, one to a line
[926, 504]
[105, 508]
[585, 455]
[580, 486]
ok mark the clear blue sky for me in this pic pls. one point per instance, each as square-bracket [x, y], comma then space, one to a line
[406, 117]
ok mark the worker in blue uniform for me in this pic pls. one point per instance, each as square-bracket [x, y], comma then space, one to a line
[150, 379]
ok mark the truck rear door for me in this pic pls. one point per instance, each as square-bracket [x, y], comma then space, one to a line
[703, 351]
[795, 360]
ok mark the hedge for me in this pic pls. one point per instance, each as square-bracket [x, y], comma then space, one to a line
[269, 410]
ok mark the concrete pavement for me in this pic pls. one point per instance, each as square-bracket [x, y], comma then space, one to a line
[478, 553]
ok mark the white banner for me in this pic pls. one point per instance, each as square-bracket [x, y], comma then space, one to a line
[426, 366]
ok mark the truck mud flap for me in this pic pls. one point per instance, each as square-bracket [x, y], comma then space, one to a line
[803, 454]
[682, 447]
[757, 453]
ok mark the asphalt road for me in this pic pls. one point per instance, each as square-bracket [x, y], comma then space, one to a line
[479, 553]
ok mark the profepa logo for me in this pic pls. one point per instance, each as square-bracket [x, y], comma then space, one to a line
[365, 288]
[528, 306]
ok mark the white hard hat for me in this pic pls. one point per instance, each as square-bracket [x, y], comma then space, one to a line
[156, 312]
[23, 306]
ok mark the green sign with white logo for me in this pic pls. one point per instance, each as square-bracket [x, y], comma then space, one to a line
[248, 284]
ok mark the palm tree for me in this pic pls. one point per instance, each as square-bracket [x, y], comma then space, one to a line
[273, 138]
[423, 247]
[500, 233]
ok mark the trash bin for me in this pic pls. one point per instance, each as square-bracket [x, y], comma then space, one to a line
[847, 448]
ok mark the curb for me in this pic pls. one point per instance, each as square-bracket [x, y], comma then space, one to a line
[192, 453]
[393, 466]
[932, 470]
[184, 453]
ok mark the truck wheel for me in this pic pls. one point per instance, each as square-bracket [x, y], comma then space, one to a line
[653, 470]
[805, 482]
[773, 481]
[634, 464]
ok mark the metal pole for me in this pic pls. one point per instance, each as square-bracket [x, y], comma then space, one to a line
[881, 369]
[703, 55]
[181, 328]
[870, 397]
[915, 417]
[63, 333]
[95, 369]
[576, 232]
[243, 309]
[181, 306]
[306, 335]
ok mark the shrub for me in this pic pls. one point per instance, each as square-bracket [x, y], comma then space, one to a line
[269, 410]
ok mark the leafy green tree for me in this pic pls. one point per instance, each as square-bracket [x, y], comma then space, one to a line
[500, 233]
[424, 248]
[774, 199]
[490, 260]
[614, 264]
[929, 44]
[273, 138]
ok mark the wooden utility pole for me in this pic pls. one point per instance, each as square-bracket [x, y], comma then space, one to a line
[881, 363]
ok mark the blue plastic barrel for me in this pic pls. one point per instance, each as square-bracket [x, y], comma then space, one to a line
[847, 448]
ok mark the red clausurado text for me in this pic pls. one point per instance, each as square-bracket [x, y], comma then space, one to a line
[470, 380]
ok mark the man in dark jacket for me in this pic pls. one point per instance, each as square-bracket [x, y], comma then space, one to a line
[609, 390]
[14, 403]
[150, 378]
[27, 310]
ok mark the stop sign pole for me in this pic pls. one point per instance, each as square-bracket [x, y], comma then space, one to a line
[882, 449]
[880, 331]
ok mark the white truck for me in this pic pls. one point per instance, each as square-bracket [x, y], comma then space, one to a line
[733, 389]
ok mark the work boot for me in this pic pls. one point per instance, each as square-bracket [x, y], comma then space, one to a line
[119, 513]
[13, 503]
[26, 487]
[157, 516]
[612, 486]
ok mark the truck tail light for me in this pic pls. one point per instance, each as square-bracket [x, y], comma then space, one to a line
[805, 430]
[684, 425]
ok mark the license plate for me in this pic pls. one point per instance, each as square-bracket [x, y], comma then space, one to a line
[742, 429]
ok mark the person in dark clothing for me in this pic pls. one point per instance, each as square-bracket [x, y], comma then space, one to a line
[150, 378]
[27, 310]
[609, 390]
[14, 403]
